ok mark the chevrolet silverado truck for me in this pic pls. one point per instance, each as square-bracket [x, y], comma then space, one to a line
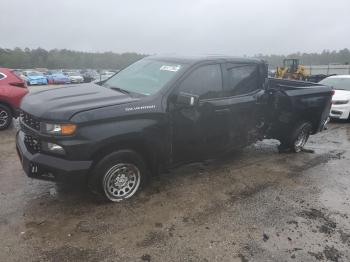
[161, 112]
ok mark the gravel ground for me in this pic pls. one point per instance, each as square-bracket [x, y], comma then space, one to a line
[256, 205]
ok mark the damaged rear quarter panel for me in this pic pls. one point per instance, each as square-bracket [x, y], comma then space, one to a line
[296, 101]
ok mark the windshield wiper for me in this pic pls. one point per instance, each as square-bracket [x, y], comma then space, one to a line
[121, 90]
[127, 92]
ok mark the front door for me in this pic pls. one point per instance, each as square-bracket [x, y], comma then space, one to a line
[201, 130]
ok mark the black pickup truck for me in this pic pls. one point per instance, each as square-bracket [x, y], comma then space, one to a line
[161, 112]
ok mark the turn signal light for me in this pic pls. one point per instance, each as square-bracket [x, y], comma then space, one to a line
[68, 129]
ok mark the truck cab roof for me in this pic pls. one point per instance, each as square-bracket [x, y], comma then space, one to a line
[204, 58]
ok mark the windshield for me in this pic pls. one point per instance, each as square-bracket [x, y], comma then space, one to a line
[145, 77]
[337, 83]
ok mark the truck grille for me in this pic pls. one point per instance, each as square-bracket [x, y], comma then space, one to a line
[30, 120]
[33, 144]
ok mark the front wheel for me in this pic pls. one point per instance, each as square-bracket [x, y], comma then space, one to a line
[119, 175]
[5, 117]
[297, 139]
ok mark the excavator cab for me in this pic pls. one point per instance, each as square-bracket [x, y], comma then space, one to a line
[291, 65]
[292, 70]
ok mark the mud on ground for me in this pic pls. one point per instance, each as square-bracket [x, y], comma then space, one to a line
[257, 205]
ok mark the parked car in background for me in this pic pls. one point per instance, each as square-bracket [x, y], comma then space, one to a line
[55, 77]
[20, 74]
[341, 99]
[89, 75]
[104, 76]
[75, 77]
[12, 90]
[35, 78]
[316, 78]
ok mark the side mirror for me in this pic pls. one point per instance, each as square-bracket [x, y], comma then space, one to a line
[186, 99]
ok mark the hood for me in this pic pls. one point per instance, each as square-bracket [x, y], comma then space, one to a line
[35, 77]
[75, 77]
[60, 76]
[341, 95]
[63, 102]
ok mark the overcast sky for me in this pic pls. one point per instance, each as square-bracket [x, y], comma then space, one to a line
[230, 27]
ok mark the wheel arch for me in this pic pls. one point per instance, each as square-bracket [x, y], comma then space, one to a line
[142, 147]
[13, 111]
[311, 117]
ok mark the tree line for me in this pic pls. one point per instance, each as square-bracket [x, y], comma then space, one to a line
[63, 58]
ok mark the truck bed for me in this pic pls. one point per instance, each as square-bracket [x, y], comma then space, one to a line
[292, 84]
[294, 101]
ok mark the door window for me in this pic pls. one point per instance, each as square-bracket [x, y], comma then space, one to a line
[205, 81]
[242, 79]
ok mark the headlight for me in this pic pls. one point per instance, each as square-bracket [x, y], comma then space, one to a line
[340, 102]
[52, 148]
[59, 129]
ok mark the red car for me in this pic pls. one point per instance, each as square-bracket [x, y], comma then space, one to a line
[12, 90]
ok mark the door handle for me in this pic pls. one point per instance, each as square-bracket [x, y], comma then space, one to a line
[222, 111]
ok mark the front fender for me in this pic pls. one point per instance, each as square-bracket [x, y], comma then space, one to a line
[139, 133]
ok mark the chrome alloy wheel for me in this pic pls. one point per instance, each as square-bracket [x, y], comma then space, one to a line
[301, 139]
[121, 181]
[3, 118]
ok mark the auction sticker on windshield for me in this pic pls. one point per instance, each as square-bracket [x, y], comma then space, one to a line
[171, 68]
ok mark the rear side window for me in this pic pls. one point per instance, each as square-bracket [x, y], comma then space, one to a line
[2, 76]
[205, 81]
[242, 79]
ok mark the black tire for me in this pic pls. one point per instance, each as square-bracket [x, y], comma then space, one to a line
[119, 175]
[5, 117]
[297, 139]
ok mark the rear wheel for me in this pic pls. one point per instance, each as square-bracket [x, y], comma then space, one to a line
[119, 175]
[5, 117]
[297, 139]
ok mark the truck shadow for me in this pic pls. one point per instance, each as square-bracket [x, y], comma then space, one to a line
[190, 196]
[75, 191]
[257, 162]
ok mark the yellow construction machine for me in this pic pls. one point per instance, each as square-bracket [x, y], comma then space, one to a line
[292, 70]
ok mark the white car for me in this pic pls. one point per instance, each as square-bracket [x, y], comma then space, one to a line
[75, 77]
[104, 76]
[341, 99]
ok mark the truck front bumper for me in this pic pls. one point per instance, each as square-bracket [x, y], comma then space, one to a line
[47, 167]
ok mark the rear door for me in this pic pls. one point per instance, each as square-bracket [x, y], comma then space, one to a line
[202, 130]
[242, 89]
